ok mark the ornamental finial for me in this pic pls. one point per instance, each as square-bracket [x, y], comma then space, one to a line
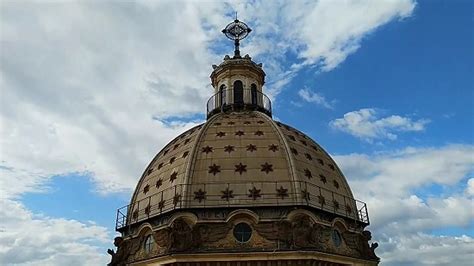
[236, 31]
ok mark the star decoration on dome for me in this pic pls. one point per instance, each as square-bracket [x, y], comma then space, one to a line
[149, 171]
[323, 179]
[273, 148]
[251, 148]
[159, 182]
[292, 137]
[227, 194]
[320, 161]
[294, 151]
[254, 193]
[165, 152]
[214, 169]
[314, 147]
[176, 199]
[332, 167]
[282, 192]
[147, 209]
[175, 146]
[135, 214]
[240, 168]
[161, 205]
[336, 204]
[336, 184]
[146, 189]
[207, 149]
[217, 124]
[259, 133]
[304, 142]
[220, 134]
[186, 141]
[307, 173]
[230, 123]
[200, 195]
[173, 176]
[305, 195]
[348, 208]
[260, 122]
[239, 133]
[160, 165]
[308, 156]
[247, 123]
[229, 148]
[172, 159]
[321, 200]
[267, 168]
[185, 154]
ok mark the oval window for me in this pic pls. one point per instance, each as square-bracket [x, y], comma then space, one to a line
[242, 232]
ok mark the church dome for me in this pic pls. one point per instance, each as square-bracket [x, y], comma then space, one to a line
[242, 187]
[241, 159]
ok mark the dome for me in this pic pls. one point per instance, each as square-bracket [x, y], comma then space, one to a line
[241, 159]
[242, 188]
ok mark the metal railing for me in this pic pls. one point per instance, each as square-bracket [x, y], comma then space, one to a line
[299, 193]
[248, 100]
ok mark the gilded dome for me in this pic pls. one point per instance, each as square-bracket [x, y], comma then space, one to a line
[241, 159]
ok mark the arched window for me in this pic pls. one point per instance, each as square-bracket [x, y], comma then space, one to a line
[148, 245]
[238, 92]
[222, 91]
[253, 93]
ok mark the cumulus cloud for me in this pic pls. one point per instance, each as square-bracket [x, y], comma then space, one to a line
[29, 239]
[401, 216]
[367, 124]
[314, 97]
[470, 187]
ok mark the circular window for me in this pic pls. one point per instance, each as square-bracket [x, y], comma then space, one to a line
[148, 245]
[336, 238]
[242, 232]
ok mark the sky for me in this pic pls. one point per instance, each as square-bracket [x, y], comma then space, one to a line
[90, 91]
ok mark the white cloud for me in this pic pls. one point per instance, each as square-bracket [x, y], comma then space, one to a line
[402, 216]
[29, 239]
[366, 124]
[470, 187]
[314, 97]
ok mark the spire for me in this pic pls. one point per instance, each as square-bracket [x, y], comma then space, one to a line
[236, 31]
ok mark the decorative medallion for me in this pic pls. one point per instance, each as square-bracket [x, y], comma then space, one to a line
[159, 182]
[176, 199]
[200, 195]
[207, 149]
[214, 169]
[323, 179]
[267, 168]
[254, 193]
[240, 168]
[251, 148]
[282, 192]
[273, 148]
[229, 148]
[227, 194]
[321, 200]
[173, 176]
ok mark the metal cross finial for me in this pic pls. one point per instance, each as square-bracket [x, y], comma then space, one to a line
[236, 31]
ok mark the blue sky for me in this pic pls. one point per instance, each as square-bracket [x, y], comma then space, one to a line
[89, 96]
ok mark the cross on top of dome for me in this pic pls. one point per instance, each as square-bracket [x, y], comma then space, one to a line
[236, 31]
